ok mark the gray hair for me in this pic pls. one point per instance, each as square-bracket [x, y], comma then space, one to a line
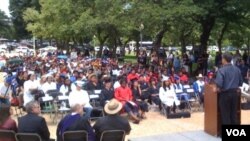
[30, 105]
[74, 107]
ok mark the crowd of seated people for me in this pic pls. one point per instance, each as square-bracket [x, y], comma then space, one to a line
[135, 87]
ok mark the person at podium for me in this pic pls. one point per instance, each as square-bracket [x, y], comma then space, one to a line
[228, 80]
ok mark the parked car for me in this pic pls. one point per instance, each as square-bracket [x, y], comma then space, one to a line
[97, 48]
[213, 48]
[24, 49]
[189, 48]
[3, 46]
[229, 48]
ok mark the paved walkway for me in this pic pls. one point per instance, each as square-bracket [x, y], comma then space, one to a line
[181, 136]
[158, 128]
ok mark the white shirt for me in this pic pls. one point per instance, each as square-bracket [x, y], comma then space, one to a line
[79, 97]
[117, 84]
[27, 96]
[200, 84]
[3, 91]
[64, 89]
[73, 87]
[48, 86]
[168, 97]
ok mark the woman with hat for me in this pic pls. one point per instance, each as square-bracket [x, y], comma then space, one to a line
[113, 121]
[168, 96]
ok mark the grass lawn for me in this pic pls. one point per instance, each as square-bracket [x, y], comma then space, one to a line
[130, 58]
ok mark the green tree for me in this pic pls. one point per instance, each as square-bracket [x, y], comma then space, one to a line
[4, 25]
[17, 7]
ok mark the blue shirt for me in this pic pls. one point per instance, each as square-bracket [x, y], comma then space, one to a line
[228, 77]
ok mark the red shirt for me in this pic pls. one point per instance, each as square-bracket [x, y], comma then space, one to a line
[123, 94]
[132, 76]
[184, 78]
[9, 124]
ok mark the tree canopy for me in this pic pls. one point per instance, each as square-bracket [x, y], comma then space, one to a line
[115, 22]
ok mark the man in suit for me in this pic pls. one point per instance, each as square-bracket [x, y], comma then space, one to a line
[113, 121]
[33, 123]
[73, 122]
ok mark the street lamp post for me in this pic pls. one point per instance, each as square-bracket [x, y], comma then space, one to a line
[34, 45]
[141, 28]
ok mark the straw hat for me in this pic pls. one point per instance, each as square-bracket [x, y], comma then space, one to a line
[200, 76]
[113, 107]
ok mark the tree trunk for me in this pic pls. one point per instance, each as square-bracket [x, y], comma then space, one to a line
[248, 45]
[219, 41]
[158, 38]
[207, 26]
[183, 45]
[137, 48]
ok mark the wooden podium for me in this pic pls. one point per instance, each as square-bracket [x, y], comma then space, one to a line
[212, 123]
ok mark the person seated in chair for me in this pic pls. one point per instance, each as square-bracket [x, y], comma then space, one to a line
[153, 91]
[6, 122]
[179, 90]
[33, 123]
[93, 83]
[74, 122]
[107, 93]
[49, 84]
[138, 98]
[124, 95]
[81, 97]
[168, 96]
[113, 121]
[199, 87]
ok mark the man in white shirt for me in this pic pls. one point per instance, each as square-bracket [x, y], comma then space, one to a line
[79, 96]
[30, 86]
[49, 84]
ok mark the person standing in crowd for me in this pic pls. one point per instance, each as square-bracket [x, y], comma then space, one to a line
[243, 69]
[217, 60]
[113, 121]
[6, 122]
[142, 58]
[33, 123]
[73, 122]
[228, 80]
[80, 96]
